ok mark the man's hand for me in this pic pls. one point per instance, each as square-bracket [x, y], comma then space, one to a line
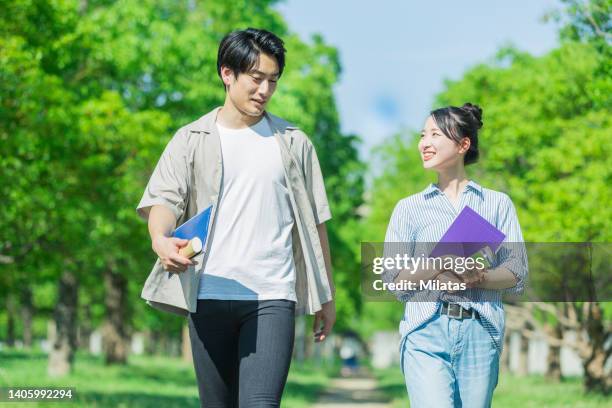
[327, 316]
[167, 249]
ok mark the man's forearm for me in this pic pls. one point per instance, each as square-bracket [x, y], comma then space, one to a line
[161, 221]
[322, 230]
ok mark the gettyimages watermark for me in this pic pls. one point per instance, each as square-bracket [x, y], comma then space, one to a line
[545, 272]
[462, 266]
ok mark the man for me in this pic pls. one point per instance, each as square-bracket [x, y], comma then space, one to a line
[267, 254]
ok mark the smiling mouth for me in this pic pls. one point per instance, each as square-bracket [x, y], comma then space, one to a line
[428, 155]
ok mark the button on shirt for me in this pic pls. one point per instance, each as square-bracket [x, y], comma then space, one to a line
[419, 222]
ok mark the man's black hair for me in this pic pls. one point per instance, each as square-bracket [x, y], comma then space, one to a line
[240, 50]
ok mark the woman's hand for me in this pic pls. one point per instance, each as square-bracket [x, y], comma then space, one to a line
[448, 277]
[471, 276]
[167, 249]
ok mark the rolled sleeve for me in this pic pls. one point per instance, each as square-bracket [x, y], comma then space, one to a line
[512, 255]
[315, 185]
[397, 242]
[168, 185]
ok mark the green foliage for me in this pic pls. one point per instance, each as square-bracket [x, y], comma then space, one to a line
[91, 93]
[585, 20]
[545, 141]
[546, 138]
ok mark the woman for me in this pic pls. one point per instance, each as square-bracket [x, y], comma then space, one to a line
[451, 340]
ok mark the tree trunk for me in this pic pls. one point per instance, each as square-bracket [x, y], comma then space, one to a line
[151, 342]
[63, 339]
[165, 344]
[308, 345]
[10, 324]
[27, 312]
[553, 363]
[595, 378]
[85, 329]
[300, 339]
[186, 345]
[505, 357]
[114, 332]
[523, 366]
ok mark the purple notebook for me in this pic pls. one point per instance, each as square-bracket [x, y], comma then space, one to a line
[468, 234]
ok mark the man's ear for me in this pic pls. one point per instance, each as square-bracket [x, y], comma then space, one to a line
[227, 75]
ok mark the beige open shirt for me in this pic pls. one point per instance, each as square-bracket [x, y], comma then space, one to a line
[187, 179]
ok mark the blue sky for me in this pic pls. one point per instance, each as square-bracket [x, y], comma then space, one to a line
[395, 55]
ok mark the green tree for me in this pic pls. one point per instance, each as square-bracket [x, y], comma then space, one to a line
[91, 92]
[545, 142]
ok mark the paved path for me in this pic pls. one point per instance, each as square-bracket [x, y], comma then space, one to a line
[350, 392]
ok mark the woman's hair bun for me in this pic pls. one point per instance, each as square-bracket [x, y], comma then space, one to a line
[475, 111]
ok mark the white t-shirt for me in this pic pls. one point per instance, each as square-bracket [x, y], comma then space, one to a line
[250, 253]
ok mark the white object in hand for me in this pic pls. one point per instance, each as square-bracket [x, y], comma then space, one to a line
[193, 247]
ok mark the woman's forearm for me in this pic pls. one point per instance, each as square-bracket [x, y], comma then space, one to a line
[498, 278]
[418, 275]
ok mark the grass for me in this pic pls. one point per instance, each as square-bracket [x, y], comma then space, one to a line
[145, 382]
[511, 392]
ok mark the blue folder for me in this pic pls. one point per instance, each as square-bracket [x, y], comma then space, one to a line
[196, 226]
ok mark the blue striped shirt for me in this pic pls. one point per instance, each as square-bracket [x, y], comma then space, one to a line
[419, 222]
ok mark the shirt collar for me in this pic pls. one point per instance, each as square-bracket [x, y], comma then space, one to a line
[433, 189]
[207, 122]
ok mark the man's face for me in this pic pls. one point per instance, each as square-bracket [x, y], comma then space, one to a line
[251, 91]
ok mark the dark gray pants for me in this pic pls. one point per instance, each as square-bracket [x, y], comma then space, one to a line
[242, 351]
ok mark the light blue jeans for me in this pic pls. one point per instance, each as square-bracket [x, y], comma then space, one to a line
[449, 363]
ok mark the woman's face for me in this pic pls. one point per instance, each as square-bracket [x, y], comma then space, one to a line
[437, 150]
